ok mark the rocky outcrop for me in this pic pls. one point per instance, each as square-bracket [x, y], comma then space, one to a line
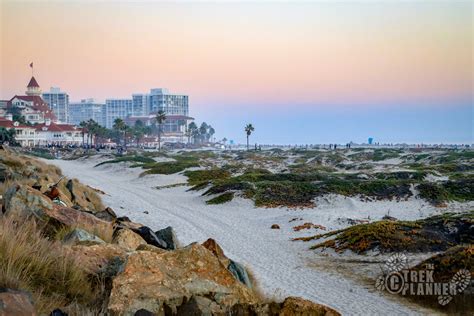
[83, 196]
[23, 201]
[96, 258]
[107, 214]
[81, 237]
[18, 303]
[127, 239]
[295, 306]
[65, 216]
[169, 237]
[158, 282]
[150, 237]
[238, 270]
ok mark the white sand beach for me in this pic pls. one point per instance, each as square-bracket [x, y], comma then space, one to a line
[279, 264]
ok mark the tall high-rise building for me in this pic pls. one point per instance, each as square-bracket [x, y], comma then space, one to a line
[85, 110]
[117, 108]
[140, 105]
[58, 101]
[171, 104]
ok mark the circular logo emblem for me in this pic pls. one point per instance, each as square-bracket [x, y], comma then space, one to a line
[394, 282]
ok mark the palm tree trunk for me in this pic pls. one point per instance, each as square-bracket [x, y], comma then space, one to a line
[247, 142]
[159, 141]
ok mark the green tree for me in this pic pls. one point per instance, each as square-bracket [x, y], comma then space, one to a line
[203, 131]
[248, 130]
[138, 131]
[211, 132]
[160, 119]
[7, 135]
[83, 126]
[93, 129]
[120, 127]
[193, 131]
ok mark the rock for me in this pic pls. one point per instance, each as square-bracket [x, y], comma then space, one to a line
[107, 214]
[146, 212]
[275, 226]
[81, 237]
[125, 222]
[296, 306]
[150, 237]
[144, 312]
[199, 305]
[15, 302]
[70, 217]
[127, 239]
[58, 312]
[23, 201]
[158, 282]
[214, 247]
[83, 196]
[96, 258]
[239, 272]
[148, 247]
[169, 237]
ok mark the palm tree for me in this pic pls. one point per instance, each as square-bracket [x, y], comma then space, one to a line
[192, 128]
[212, 131]
[249, 129]
[203, 131]
[83, 125]
[120, 126]
[160, 119]
[93, 128]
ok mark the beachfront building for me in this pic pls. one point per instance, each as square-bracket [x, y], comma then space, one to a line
[58, 101]
[56, 134]
[31, 106]
[117, 108]
[172, 104]
[141, 105]
[25, 135]
[3, 107]
[175, 106]
[173, 128]
[85, 110]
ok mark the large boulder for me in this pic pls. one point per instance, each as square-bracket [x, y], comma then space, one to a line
[169, 237]
[125, 222]
[65, 216]
[14, 302]
[82, 195]
[199, 305]
[296, 306]
[238, 270]
[127, 239]
[23, 201]
[150, 237]
[291, 306]
[158, 282]
[214, 247]
[96, 258]
[107, 214]
[81, 237]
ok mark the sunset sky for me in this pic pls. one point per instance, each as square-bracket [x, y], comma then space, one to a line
[300, 72]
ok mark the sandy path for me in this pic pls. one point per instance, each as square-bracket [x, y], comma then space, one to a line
[242, 231]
